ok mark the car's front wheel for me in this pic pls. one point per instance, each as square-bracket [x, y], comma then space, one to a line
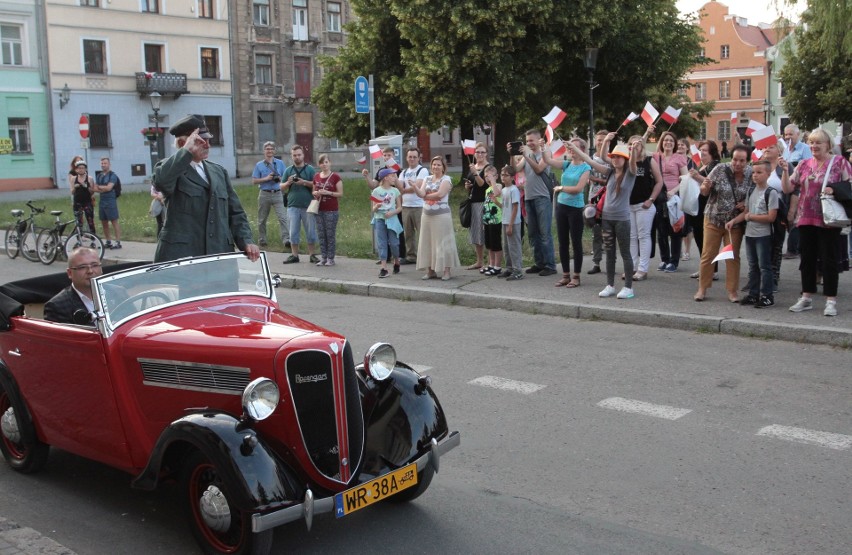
[218, 527]
[22, 455]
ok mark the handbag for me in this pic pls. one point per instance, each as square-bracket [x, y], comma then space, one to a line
[676, 217]
[156, 208]
[689, 191]
[465, 212]
[313, 207]
[833, 213]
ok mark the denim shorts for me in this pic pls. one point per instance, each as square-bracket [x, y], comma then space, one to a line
[297, 217]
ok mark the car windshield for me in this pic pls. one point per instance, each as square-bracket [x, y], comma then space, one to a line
[123, 295]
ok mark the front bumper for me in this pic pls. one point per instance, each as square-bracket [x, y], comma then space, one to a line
[310, 506]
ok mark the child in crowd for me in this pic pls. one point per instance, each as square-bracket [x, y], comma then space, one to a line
[510, 202]
[386, 203]
[760, 211]
[492, 219]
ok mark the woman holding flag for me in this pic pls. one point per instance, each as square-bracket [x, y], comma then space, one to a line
[475, 185]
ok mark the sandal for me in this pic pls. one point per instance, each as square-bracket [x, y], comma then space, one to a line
[575, 282]
[640, 276]
[474, 267]
[566, 279]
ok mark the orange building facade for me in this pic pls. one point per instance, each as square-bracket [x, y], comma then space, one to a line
[738, 79]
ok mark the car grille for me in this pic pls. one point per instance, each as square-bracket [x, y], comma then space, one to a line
[194, 376]
[320, 381]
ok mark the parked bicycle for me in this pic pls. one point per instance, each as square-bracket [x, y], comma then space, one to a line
[21, 236]
[52, 243]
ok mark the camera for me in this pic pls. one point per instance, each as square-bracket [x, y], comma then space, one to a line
[275, 177]
[515, 148]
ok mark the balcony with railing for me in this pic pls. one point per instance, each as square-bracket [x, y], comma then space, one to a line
[167, 84]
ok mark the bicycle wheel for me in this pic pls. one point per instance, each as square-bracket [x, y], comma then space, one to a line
[28, 244]
[46, 244]
[86, 239]
[11, 241]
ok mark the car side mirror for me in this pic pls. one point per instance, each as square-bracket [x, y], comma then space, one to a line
[82, 316]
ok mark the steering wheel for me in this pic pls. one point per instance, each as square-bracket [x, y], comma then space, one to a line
[143, 299]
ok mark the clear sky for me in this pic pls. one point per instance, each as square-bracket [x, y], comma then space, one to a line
[756, 11]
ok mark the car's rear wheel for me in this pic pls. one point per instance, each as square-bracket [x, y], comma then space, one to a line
[15, 425]
[424, 478]
[218, 527]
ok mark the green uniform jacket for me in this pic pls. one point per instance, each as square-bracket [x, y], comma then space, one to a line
[201, 218]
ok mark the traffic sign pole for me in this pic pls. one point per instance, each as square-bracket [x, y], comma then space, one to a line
[84, 135]
[372, 110]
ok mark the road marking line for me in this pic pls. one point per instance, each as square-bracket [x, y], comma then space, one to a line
[801, 435]
[507, 385]
[641, 407]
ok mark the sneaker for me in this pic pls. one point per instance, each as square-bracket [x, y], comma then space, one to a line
[625, 293]
[670, 268]
[749, 300]
[607, 291]
[764, 302]
[715, 276]
[830, 308]
[116, 245]
[662, 266]
[547, 272]
[596, 269]
[695, 275]
[314, 259]
[685, 257]
[292, 259]
[504, 274]
[803, 304]
[329, 262]
[383, 273]
[107, 244]
[533, 269]
[322, 262]
[515, 277]
[396, 268]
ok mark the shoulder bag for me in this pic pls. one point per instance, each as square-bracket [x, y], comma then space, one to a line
[833, 213]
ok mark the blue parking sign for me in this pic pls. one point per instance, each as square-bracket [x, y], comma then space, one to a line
[362, 95]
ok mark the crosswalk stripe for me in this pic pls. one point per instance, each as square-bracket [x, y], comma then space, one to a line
[641, 407]
[506, 384]
[802, 435]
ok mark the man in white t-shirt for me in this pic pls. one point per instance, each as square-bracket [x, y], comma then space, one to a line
[412, 205]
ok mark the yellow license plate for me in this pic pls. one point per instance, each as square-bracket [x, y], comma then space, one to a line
[375, 490]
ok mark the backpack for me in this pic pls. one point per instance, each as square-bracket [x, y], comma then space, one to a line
[780, 222]
[117, 186]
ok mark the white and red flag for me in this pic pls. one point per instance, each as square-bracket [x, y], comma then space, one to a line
[764, 137]
[469, 146]
[554, 117]
[649, 113]
[362, 160]
[671, 115]
[752, 127]
[548, 134]
[393, 165]
[695, 154]
[756, 154]
[632, 116]
[734, 117]
[558, 148]
[375, 152]
[727, 253]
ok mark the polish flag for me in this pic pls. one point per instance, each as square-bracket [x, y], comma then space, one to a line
[629, 118]
[469, 146]
[548, 134]
[764, 137]
[727, 253]
[649, 113]
[374, 198]
[554, 117]
[752, 127]
[558, 148]
[756, 154]
[671, 115]
[393, 165]
[375, 152]
[734, 117]
[696, 154]
[362, 160]
[149, 75]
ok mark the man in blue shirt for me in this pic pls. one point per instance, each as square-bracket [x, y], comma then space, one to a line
[796, 152]
[267, 176]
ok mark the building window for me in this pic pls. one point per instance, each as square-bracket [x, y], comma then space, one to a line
[153, 58]
[782, 91]
[702, 53]
[702, 131]
[214, 126]
[300, 19]
[447, 135]
[90, 3]
[260, 13]
[724, 89]
[302, 74]
[209, 63]
[336, 144]
[265, 127]
[205, 9]
[12, 46]
[151, 6]
[724, 130]
[701, 91]
[725, 52]
[333, 17]
[19, 132]
[99, 136]
[745, 88]
[263, 69]
[94, 56]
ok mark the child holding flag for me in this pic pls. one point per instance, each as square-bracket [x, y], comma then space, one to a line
[386, 205]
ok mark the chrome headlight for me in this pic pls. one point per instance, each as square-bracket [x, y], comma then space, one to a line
[380, 361]
[260, 398]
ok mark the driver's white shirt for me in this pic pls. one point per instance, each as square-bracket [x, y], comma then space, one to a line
[89, 303]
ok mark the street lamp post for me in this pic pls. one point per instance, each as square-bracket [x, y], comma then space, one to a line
[590, 62]
[155, 98]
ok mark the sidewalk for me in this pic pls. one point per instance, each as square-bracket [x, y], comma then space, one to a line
[662, 301]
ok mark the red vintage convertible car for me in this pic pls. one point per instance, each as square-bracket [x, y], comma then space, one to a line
[192, 371]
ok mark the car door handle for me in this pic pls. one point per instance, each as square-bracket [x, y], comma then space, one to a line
[15, 352]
